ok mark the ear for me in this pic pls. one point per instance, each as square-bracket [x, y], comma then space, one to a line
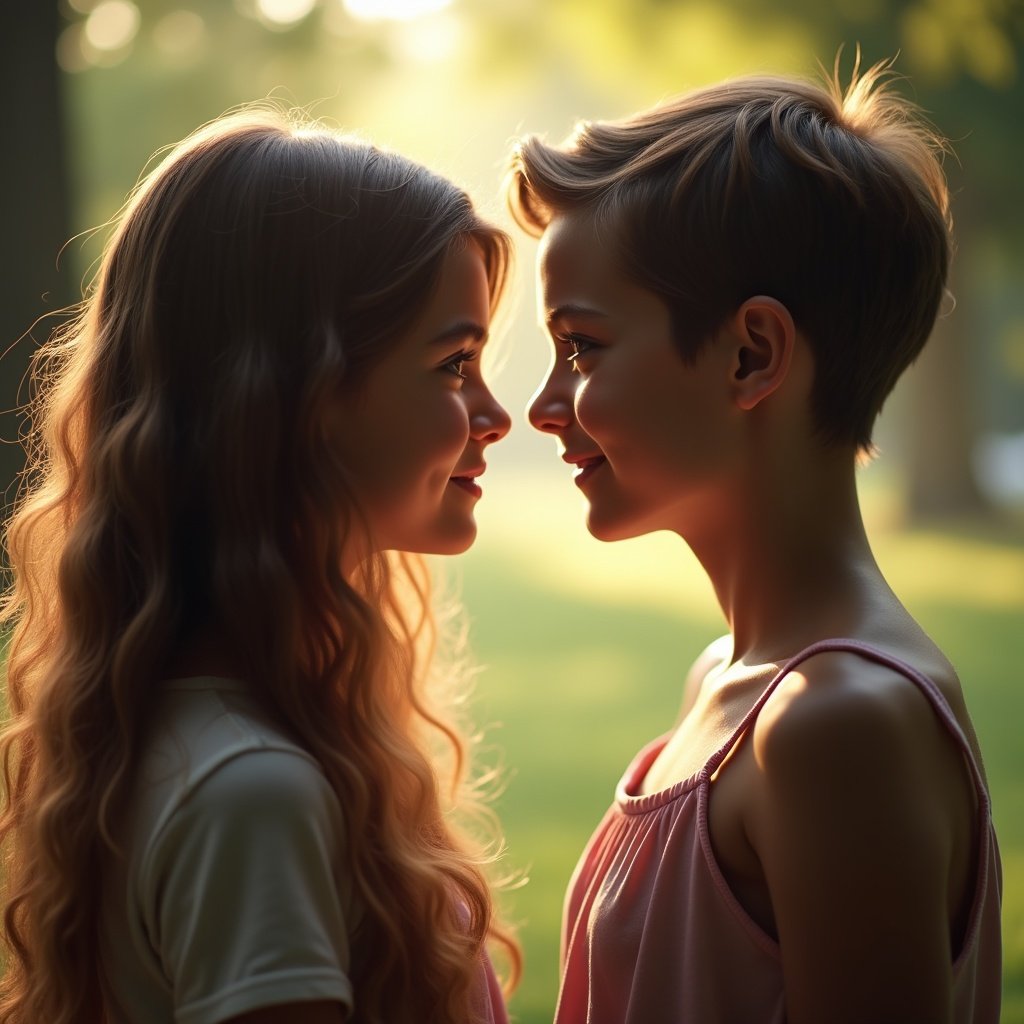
[764, 335]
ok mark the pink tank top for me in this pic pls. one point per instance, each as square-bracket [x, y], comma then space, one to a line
[654, 935]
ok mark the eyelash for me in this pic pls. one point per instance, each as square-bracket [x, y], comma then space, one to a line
[454, 364]
[580, 345]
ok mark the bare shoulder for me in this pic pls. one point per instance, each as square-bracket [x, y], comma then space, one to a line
[861, 727]
[838, 701]
[861, 812]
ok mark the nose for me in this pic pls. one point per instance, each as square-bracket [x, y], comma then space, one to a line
[488, 420]
[551, 408]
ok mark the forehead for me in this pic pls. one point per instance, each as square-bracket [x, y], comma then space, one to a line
[577, 251]
[463, 279]
[461, 292]
[579, 270]
[457, 309]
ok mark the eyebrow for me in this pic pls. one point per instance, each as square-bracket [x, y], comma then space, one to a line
[463, 329]
[572, 309]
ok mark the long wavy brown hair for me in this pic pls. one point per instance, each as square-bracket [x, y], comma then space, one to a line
[181, 480]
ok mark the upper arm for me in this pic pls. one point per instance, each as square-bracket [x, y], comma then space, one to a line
[241, 892]
[855, 845]
[716, 652]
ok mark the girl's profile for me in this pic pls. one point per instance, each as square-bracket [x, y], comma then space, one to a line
[229, 774]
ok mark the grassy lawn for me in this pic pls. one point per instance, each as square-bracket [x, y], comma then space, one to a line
[584, 646]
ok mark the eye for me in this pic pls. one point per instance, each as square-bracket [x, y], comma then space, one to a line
[579, 345]
[454, 365]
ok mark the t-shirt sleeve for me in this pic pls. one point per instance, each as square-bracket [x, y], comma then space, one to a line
[240, 890]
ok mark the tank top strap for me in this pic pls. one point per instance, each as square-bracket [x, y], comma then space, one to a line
[927, 687]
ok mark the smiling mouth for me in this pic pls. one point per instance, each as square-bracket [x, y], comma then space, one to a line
[468, 484]
[586, 468]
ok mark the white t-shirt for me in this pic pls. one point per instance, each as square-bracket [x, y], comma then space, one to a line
[230, 897]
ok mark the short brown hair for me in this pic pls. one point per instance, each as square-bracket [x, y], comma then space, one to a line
[833, 202]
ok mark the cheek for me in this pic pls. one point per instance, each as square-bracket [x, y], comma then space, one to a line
[451, 426]
[602, 410]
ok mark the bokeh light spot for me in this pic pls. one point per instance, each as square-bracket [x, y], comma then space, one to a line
[70, 57]
[928, 43]
[990, 55]
[180, 34]
[393, 10]
[112, 25]
[429, 43]
[285, 12]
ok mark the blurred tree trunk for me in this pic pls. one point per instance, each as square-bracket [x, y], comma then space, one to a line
[940, 432]
[33, 207]
[941, 419]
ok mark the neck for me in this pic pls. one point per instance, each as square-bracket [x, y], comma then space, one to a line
[205, 652]
[789, 558]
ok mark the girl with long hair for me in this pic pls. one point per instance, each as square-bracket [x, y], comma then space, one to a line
[226, 761]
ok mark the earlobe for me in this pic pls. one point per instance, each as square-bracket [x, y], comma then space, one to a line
[764, 334]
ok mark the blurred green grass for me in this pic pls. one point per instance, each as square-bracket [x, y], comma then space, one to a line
[584, 648]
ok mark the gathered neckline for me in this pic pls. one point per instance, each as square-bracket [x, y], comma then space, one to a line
[632, 802]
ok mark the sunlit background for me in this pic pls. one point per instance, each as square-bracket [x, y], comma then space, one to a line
[584, 645]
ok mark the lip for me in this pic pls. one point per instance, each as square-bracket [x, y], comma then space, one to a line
[586, 466]
[466, 480]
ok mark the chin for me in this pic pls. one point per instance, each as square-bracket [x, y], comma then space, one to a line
[452, 541]
[612, 528]
[609, 532]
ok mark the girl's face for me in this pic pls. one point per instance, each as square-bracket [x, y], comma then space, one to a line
[648, 434]
[414, 435]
